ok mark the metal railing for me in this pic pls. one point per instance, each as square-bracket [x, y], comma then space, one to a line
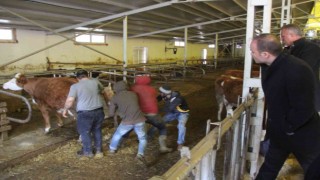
[25, 101]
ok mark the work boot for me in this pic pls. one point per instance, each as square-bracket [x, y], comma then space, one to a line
[84, 156]
[111, 152]
[163, 144]
[141, 160]
[98, 155]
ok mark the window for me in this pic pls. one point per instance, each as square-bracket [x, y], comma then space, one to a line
[91, 39]
[204, 54]
[239, 46]
[140, 55]
[179, 43]
[8, 35]
[212, 46]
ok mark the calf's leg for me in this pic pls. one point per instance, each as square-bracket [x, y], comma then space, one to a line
[46, 117]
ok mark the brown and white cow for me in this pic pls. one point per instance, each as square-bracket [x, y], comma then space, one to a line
[49, 94]
[228, 88]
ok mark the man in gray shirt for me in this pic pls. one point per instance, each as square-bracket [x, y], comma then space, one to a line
[89, 105]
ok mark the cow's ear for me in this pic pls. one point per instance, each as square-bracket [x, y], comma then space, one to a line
[17, 76]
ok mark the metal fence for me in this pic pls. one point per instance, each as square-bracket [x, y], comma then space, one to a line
[234, 134]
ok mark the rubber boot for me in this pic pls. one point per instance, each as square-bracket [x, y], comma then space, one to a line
[163, 144]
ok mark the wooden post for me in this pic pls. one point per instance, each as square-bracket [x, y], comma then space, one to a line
[4, 122]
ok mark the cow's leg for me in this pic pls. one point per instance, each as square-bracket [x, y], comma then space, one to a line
[229, 109]
[219, 98]
[220, 111]
[46, 117]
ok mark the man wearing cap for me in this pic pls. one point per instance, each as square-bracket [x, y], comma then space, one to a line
[175, 108]
[89, 105]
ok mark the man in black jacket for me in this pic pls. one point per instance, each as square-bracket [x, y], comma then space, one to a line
[293, 122]
[291, 36]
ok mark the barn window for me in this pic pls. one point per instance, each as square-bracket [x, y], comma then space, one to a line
[211, 46]
[8, 35]
[179, 43]
[204, 54]
[97, 39]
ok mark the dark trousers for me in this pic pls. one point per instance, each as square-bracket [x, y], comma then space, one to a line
[304, 144]
[274, 161]
[89, 126]
[313, 171]
[155, 121]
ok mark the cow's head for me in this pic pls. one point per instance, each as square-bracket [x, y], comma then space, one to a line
[14, 83]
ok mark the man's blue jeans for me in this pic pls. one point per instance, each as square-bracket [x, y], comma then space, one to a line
[89, 126]
[122, 129]
[182, 120]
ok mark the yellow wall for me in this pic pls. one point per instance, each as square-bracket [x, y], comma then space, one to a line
[31, 41]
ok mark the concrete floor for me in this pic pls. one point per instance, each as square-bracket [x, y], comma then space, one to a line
[30, 143]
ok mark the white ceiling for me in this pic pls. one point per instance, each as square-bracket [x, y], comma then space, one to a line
[161, 19]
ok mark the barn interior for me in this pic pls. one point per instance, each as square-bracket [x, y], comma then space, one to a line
[184, 43]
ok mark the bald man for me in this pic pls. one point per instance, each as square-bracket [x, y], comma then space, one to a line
[293, 122]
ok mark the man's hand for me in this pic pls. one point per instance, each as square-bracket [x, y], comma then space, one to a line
[65, 112]
[68, 104]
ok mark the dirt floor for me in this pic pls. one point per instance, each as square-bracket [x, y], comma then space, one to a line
[62, 162]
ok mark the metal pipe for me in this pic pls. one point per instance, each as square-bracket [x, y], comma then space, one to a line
[206, 171]
[234, 150]
[27, 103]
[124, 39]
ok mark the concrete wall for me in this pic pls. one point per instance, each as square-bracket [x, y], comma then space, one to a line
[31, 41]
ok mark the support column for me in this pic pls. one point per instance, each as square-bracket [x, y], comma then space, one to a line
[216, 51]
[125, 37]
[285, 12]
[256, 123]
[185, 50]
[233, 51]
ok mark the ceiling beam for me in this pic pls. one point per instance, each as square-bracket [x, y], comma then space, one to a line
[230, 37]
[42, 14]
[122, 5]
[219, 9]
[203, 23]
[187, 26]
[220, 32]
[240, 4]
[68, 6]
[148, 8]
[193, 12]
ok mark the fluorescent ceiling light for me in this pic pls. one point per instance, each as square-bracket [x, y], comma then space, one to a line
[4, 21]
[86, 29]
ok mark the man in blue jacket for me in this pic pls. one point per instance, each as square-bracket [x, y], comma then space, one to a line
[176, 108]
